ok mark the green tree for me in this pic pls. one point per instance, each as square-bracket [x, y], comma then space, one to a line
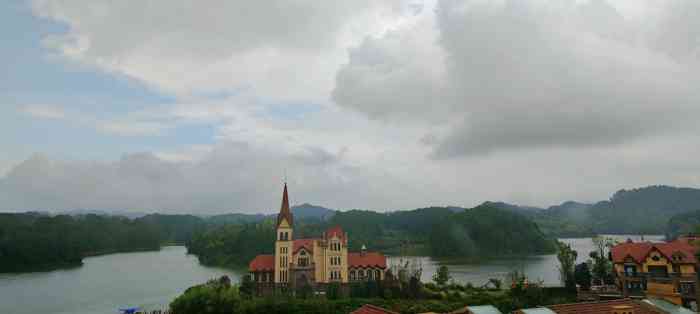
[582, 275]
[567, 262]
[442, 275]
[602, 267]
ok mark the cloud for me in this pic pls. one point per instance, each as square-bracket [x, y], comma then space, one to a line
[530, 75]
[232, 177]
[281, 49]
[44, 111]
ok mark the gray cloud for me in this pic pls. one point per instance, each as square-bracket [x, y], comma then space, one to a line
[233, 177]
[534, 74]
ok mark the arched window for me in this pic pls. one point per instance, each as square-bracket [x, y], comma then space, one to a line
[353, 275]
[361, 273]
[378, 274]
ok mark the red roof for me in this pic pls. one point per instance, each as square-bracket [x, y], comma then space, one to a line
[336, 231]
[308, 244]
[371, 309]
[369, 259]
[262, 263]
[638, 251]
[602, 307]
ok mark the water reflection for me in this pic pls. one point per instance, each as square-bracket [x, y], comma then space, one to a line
[541, 267]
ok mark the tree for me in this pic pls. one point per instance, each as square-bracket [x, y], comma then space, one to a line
[582, 275]
[602, 267]
[247, 286]
[567, 261]
[442, 275]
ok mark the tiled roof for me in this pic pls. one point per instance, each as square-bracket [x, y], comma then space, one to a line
[369, 259]
[284, 209]
[371, 309]
[308, 244]
[336, 231]
[478, 309]
[638, 251]
[603, 307]
[262, 263]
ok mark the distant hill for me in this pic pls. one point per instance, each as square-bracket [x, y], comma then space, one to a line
[684, 223]
[527, 210]
[100, 212]
[235, 218]
[306, 211]
[642, 210]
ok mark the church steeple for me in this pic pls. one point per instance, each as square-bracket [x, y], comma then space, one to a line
[285, 212]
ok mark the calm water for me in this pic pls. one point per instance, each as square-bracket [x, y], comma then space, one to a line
[152, 279]
[538, 267]
[105, 283]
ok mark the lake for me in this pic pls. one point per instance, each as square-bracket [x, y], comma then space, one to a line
[151, 280]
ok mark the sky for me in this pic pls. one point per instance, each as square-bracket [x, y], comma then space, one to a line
[182, 107]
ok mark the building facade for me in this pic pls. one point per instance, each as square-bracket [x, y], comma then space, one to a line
[312, 262]
[665, 270]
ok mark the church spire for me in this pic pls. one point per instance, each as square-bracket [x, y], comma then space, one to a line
[285, 213]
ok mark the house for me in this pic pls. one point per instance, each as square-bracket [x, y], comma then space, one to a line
[620, 306]
[312, 262]
[666, 270]
[477, 309]
[371, 309]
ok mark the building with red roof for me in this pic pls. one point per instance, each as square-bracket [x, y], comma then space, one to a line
[312, 261]
[372, 309]
[663, 270]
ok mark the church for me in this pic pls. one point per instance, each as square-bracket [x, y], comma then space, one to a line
[315, 262]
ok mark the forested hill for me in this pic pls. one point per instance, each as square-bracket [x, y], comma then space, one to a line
[480, 232]
[38, 242]
[644, 210]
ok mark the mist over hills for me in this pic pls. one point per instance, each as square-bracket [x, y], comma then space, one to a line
[646, 210]
[634, 211]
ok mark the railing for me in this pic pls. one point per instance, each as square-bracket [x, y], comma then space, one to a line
[667, 278]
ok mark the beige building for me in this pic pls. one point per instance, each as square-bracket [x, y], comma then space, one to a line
[666, 270]
[313, 261]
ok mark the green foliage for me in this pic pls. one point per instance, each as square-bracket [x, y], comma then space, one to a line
[233, 245]
[333, 291]
[210, 298]
[442, 275]
[685, 223]
[487, 231]
[582, 276]
[567, 262]
[644, 210]
[38, 242]
[602, 266]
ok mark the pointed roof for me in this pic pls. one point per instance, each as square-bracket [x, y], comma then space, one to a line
[285, 212]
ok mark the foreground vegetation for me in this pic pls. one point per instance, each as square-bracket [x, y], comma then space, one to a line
[219, 297]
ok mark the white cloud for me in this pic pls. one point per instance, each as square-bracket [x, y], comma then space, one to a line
[373, 104]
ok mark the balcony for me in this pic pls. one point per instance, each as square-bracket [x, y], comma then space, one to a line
[659, 278]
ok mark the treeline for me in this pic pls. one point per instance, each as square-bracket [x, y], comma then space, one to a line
[479, 232]
[38, 242]
[486, 231]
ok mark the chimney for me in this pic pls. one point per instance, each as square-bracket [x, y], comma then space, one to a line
[363, 251]
[622, 309]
